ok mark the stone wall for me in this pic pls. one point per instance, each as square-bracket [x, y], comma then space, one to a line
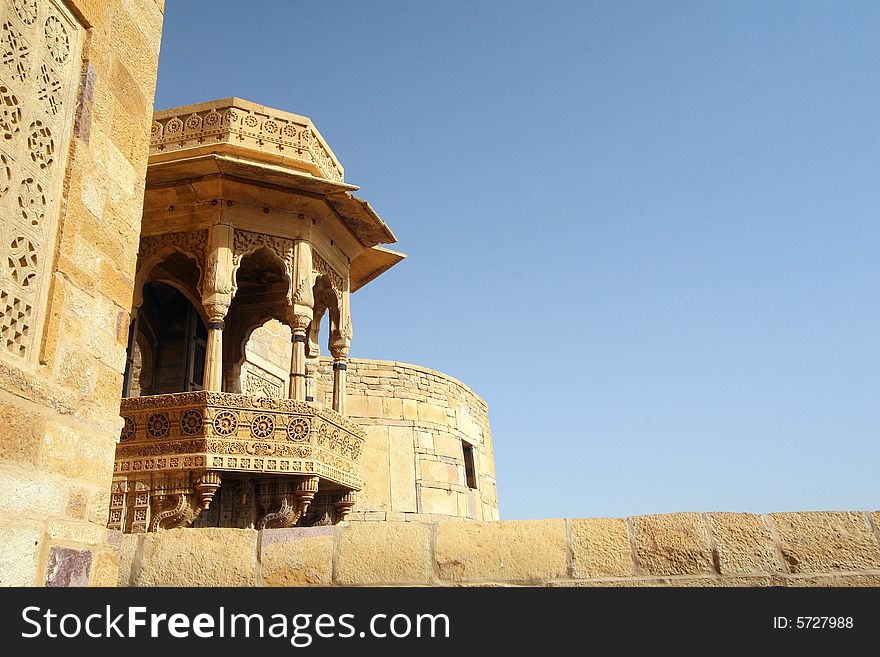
[686, 549]
[77, 82]
[416, 421]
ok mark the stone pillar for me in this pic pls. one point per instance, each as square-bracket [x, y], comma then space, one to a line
[297, 388]
[339, 345]
[340, 341]
[312, 354]
[214, 350]
[216, 289]
[302, 304]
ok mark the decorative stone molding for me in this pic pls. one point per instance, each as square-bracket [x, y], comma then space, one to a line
[246, 242]
[323, 268]
[244, 124]
[174, 448]
[260, 383]
[191, 243]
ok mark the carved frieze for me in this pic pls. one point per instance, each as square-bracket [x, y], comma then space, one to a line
[169, 439]
[244, 126]
[246, 242]
[192, 243]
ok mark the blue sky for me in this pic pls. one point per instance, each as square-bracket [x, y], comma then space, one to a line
[645, 232]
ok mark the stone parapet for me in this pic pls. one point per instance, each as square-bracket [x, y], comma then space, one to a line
[685, 549]
[280, 136]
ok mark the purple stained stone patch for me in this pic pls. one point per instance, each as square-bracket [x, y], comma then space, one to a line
[68, 567]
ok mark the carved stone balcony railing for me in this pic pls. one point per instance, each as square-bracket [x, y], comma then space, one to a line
[176, 450]
[234, 122]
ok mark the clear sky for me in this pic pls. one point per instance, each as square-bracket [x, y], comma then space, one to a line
[645, 232]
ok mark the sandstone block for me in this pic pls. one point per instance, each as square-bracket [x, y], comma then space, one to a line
[392, 408]
[410, 409]
[127, 562]
[438, 500]
[68, 567]
[432, 413]
[357, 406]
[468, 427]
[431, 470]
[22, 431]
[600, 548]
[78, 454]
[826, 541]
[79, 532]
[673, 544]
[19, 552]
[105, 570]
[509, 551]
[374, 460]
[425, 440]
[93, 195]
[402, 468]
[448, 445]
[835, 580]
[30, 493]
[77, 504]
[297, 556]
[207, 557]
[384, 553]
[744, 544]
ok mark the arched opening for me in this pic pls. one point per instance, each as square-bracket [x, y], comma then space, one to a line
[326, 304]
[265, 362]
[167, 344]
[261, 297]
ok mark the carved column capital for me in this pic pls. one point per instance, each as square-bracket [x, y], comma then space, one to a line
[339, 346]
[216, 311]
[299, 321]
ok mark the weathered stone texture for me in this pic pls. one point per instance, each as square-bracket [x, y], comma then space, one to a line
[384, 553]
[675, 544]
[202, 557]
[127, 550]
[297, 557]
[105, 568]
[826, 541]
[600, 548]
[401, 552]
[743, 544]
[68, 567]
[427, 415]
[18, 553]
[528, 551]
[22, 430]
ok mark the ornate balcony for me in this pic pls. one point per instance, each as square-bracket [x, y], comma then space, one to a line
[285, 462]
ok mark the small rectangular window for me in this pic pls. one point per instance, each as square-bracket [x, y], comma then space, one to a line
[470, 470]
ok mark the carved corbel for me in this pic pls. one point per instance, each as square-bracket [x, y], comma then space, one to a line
[281, 497]
[305, 492]
[344, 504]
[172, 510]
[284, 503]
[206, 486]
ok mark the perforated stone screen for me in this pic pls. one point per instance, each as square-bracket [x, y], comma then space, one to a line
[40, 45]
